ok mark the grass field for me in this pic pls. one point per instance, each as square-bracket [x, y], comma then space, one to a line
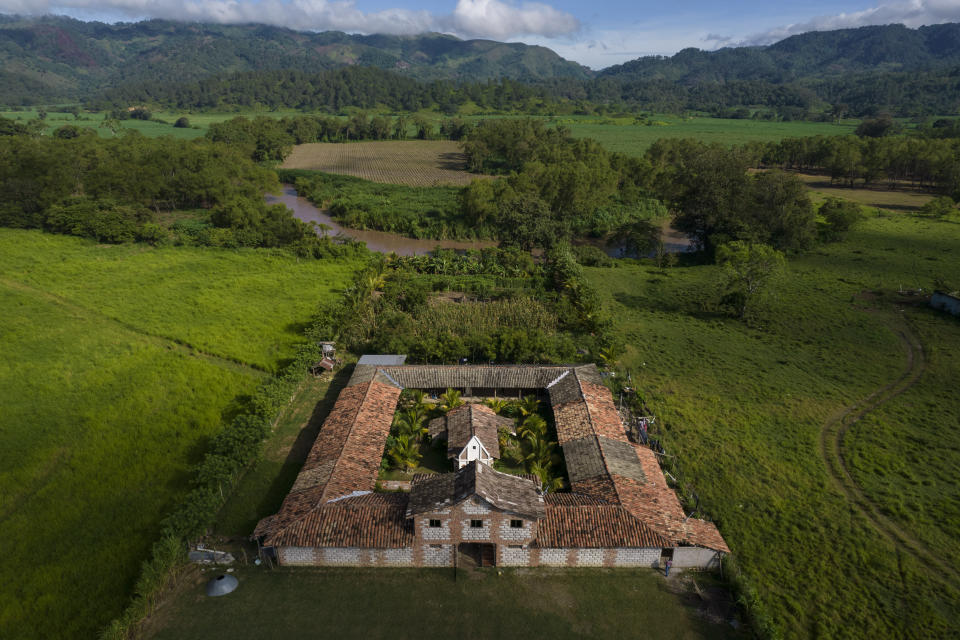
[623, 136]
[416, 163]
[616, 134]
[119, 364]
[249, 305]
[901, 199]
[399, 604]
[745, 408]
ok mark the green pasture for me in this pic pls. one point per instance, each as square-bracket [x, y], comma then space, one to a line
[741, 406]
[615, 134]
[247, 305]
[622, 136]
[119, 364]
[398, 604]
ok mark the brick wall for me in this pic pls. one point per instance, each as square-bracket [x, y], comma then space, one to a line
[510, 556]
[589, 557]
[511, 534]
[554, 557]
[297, 555]
[636, 557]
[455, 526]
[346, 557]
[437, 555]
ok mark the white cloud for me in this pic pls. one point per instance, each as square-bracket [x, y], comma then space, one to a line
[912, 13]
[492, 18]
[470, 18]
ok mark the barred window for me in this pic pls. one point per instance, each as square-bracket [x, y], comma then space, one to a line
[434, 524]
[516, 524]
[476, 524]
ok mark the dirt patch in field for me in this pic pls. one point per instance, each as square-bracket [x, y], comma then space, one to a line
[415, 163]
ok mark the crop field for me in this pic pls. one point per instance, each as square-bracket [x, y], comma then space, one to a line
[416, 163]
[843, 515]
[119, 363]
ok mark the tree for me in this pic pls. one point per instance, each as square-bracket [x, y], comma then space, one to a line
[939, 207]
[746, 273]
[182, 123]
[839, 216]
[450, 400]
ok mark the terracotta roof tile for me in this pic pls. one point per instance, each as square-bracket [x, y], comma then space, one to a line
[462, 423]
[595, 526]
[430, 493]
[376, 520]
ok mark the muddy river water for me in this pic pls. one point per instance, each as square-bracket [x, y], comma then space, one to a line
[384, 242]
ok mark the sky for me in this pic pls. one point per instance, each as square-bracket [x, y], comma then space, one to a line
[595, 34]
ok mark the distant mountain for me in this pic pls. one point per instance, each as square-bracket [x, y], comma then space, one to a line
[58, 58]
[817, 54]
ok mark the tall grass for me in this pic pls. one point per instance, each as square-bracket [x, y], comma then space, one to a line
[105, 404]
[742, 408]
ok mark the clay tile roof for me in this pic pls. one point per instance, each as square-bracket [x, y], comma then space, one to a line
[572, 500]
[346, 455]
[479, 377]
[430, 493]
[470, 420]
[705, 534]
[592, 525]
[376, 520]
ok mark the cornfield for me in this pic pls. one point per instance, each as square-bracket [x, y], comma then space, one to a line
[477, 318]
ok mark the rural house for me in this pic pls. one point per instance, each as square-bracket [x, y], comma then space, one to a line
[619, 510]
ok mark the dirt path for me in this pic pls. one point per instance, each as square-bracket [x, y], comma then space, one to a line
[161, 340]
[834, 453]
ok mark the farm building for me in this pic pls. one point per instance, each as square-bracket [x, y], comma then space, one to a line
[619, 510]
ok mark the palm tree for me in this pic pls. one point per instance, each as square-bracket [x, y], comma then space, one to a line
[411, 423]
[497, 404]
[404, 453]
[532, 424]
[541, 451]
[450, 400]
[529, 405]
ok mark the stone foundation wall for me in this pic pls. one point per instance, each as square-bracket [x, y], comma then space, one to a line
[345, 557]
[441, 554]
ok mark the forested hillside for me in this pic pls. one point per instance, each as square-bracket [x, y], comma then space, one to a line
[853, 72]
[57, 58]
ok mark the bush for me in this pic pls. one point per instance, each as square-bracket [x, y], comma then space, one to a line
[839, 216]
[182, 123]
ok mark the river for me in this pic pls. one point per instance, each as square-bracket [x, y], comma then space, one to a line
[385, 242]
[380, 241]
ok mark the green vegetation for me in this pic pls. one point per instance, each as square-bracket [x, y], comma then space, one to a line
[121, 363]
[742, 408]
[558, 604]
[627, 135]
[417, 212]
[248, 306]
